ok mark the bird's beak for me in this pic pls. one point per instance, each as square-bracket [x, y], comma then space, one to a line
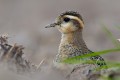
[53, 25]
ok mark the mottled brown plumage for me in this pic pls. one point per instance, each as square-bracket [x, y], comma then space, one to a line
[71, 24]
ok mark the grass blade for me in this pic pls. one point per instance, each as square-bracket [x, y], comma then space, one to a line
[115, 42]
[75, 59]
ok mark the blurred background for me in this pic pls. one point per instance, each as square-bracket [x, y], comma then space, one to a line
[25, 21]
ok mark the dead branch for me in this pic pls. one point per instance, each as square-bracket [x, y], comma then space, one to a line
[13, 54]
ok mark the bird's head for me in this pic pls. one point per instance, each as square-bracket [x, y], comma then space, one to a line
[68, 22]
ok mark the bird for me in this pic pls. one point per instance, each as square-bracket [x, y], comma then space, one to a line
[71, 25]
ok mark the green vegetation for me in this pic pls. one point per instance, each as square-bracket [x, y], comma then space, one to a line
[76, 59]
[82, 59]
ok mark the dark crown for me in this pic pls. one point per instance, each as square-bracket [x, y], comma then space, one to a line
[72, 13]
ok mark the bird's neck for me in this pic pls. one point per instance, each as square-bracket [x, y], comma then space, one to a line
[72, 44]
[73, 38]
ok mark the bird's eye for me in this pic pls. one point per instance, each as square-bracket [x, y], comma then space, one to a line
[66, 19]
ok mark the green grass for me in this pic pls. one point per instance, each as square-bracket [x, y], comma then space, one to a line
[82, 59]
[112, 38]
[75, 60]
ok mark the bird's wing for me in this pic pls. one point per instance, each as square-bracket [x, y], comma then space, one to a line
[98, 59]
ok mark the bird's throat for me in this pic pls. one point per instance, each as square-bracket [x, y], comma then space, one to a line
[72, 44]
[73, 37]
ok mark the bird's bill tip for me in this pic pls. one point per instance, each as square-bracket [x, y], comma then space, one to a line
[48, 26]
[52, 25]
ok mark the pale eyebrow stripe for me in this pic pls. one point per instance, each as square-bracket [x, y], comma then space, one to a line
[76, 18]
